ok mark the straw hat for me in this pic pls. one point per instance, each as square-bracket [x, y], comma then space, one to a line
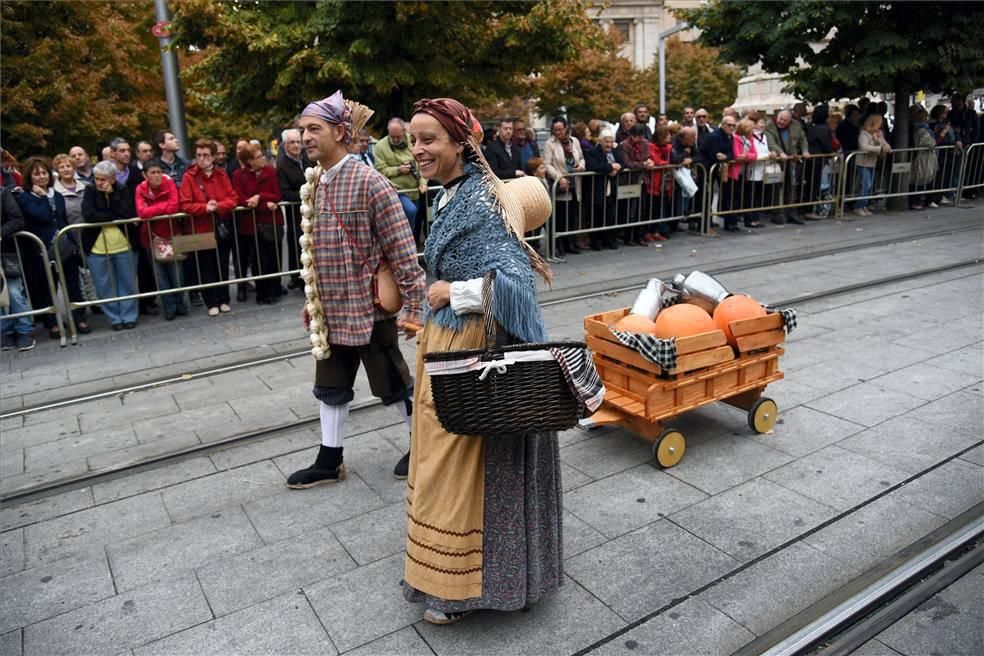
[530, 197]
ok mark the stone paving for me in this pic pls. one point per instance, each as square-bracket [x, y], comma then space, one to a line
[884, 391]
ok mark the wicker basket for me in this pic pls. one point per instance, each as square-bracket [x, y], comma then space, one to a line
[510, 390]
[523, 397]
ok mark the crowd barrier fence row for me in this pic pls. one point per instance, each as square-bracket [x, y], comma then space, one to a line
[595, 206]
[24, 298]
[631, 203]
[972, 172]
[773, 185]
[923, 173]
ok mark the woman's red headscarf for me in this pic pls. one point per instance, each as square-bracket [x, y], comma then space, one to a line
[464, 129]
[453, 117]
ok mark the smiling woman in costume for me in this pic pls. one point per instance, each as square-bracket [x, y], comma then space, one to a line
[484, 525]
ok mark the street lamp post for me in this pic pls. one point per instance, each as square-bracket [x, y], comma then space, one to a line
[679, 27]
[172, 81]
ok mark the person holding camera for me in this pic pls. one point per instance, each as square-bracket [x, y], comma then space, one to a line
[395, 161]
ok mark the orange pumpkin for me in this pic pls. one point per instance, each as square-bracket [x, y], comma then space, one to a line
[734, 308]
[683, 320]
[635, 323]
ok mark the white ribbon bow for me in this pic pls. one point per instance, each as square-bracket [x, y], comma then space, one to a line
[498, 365]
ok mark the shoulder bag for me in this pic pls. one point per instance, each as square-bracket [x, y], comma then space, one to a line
[11, 265]
[386, 294]
[163, 250]
[685, 179]
[222, 230]
[773, 173]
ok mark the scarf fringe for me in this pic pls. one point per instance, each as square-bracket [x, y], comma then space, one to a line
[511, 307]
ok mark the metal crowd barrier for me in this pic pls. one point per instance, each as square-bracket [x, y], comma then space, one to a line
[972, 171]
[772, 185]
[427, 206]
[893, 175]
[631, 210]
[825, 183]
[19, 285]
[188, 271]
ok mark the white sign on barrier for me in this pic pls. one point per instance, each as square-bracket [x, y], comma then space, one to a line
[901, 167]
[629, 191]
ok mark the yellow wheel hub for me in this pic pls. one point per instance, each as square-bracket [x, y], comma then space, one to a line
[669, 448]
[762, 417]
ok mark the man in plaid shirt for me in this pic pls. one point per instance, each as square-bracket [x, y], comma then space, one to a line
[358, 220]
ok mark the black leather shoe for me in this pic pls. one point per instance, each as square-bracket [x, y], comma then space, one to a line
[573, 250]
[130, 325]
[312, 476]
[117, 327]
[402, 469]
[797, 220]
[328, 467]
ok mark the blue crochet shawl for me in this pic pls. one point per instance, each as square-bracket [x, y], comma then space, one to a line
[467, 240]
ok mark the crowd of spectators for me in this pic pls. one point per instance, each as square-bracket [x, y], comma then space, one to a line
[781, 168]
[230, 220]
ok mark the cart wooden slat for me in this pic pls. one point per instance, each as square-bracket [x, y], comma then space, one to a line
[641, 396]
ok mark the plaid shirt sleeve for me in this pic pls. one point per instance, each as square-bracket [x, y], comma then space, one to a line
[396, 240]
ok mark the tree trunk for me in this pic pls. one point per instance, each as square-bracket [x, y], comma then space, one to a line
[396, 105]
[902, 140]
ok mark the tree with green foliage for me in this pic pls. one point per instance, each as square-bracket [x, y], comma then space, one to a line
[385, 54]
[600, 83]
[695, 77]
[887, 47]
[78, 73]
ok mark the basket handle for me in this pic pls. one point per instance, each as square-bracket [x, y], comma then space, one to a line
[492, 328]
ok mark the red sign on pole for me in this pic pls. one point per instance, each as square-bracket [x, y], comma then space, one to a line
[161, 29]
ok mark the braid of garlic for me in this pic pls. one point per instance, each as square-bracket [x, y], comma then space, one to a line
[319, 327]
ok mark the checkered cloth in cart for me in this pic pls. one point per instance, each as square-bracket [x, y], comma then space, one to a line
[660, 351]
[663, 351]
[788, 316]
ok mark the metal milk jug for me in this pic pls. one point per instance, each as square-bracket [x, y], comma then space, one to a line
[700, 289]
[650, 300]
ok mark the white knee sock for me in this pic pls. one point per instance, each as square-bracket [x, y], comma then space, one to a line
[333, 424]
[401, 410]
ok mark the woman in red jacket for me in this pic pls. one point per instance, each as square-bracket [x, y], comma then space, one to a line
[659, 184]
[739, 174]
[157, 196]
[208, 196]
[256, 187]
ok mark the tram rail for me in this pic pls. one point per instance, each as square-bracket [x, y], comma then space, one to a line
[840, 611]
[89, 478]
[559, 298]
[848, 618]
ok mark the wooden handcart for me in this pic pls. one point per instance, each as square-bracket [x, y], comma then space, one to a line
[641, 396]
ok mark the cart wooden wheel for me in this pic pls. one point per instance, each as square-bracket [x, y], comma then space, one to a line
[762, 415]
[669, 448]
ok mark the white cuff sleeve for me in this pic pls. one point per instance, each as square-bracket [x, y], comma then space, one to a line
[466, 296]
